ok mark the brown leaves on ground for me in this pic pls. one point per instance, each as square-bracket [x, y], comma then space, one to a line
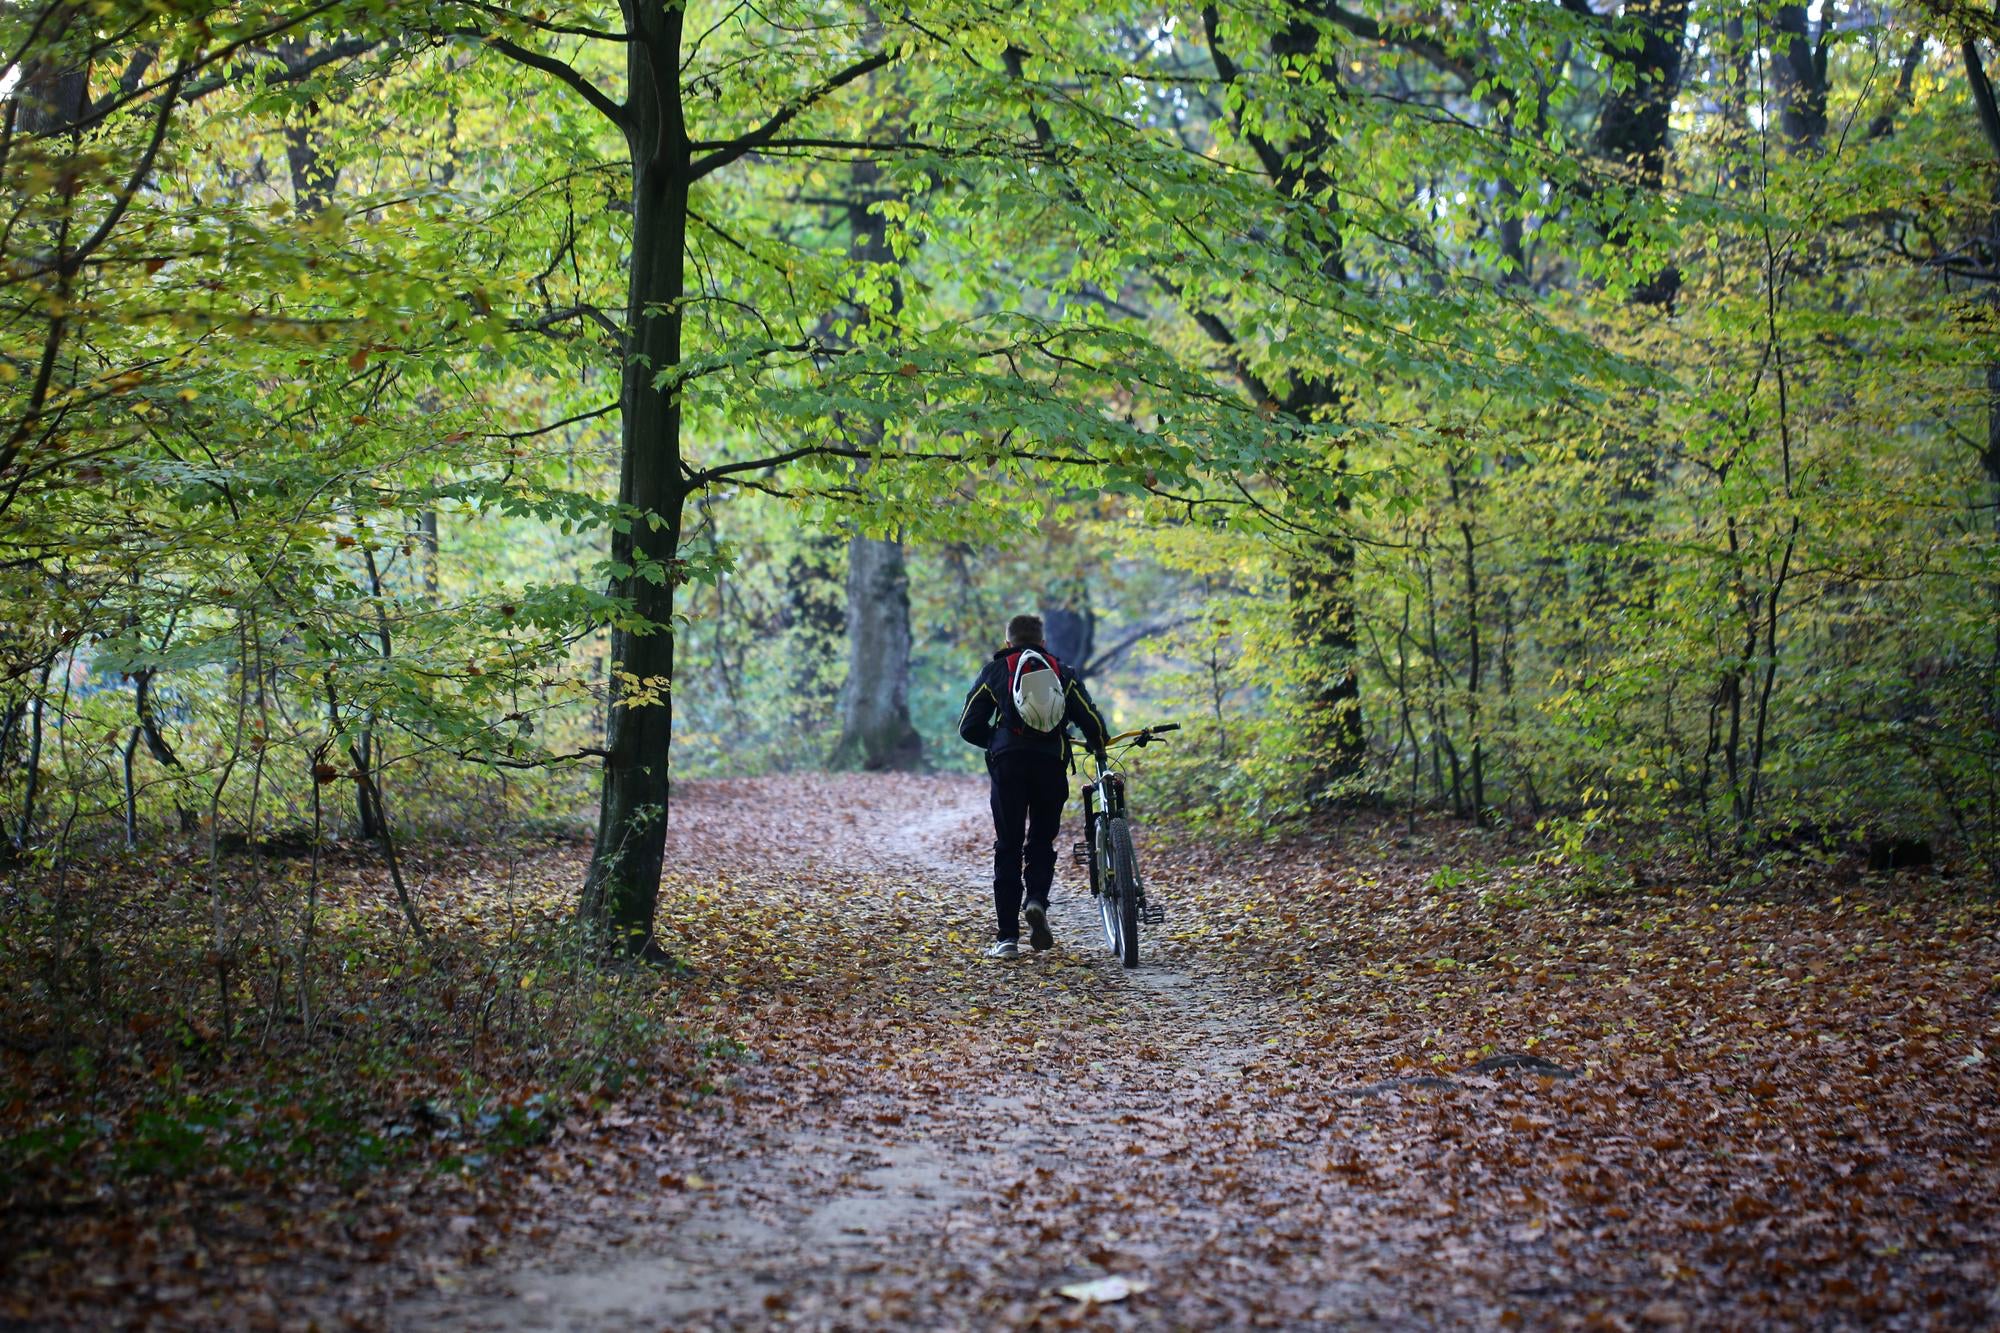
[1782, 1109]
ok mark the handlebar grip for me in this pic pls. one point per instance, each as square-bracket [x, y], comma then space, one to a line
[1164, 726]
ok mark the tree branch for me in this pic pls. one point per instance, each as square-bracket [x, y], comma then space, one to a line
[1884, 123]
[554, 68]
[1407, 39]
[1226, 69]
[858, 145]
[280, 72]
[1101, 661]
[543, 25]
[1225, 339]
[730, 150]
[143, 169]
[590, 415]
[697, 478]
[544, 322]
[1982, 95]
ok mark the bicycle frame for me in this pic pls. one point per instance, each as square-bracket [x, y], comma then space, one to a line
[1115, 881]
[1104, 795]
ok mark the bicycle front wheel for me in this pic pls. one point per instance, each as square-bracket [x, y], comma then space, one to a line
[1125, 874]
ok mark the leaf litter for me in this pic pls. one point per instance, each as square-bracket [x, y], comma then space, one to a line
[1345, 1087]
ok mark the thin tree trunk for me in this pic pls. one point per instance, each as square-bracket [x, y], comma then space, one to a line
[372, 792]
[24, 837]
[1477, 757]
[1321, 581]
[155, 738]
[427, 537]
[131, 792]
[369, 815]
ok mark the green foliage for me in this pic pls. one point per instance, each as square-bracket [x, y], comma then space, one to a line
[1349, 330]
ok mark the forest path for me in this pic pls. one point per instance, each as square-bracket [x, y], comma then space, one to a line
[1317, 1103]
[926, 1138]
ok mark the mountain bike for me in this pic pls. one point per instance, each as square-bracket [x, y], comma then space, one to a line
[1107, 850]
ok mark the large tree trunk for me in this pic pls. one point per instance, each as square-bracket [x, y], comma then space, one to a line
[1321, 580]
[1323, 624]
[875, 728]
[1798, 67]
[1071, 631]
[875, 703]
[815, 619]
[1988, 110]
[1633, 125]
[622, 888]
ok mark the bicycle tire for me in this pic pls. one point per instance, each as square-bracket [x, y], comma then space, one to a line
[1125, 873]
[1105, 883]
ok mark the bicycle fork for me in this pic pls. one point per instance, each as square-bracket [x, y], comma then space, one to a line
[1085, 853]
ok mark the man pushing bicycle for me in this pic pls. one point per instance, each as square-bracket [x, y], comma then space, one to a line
[1016, 711]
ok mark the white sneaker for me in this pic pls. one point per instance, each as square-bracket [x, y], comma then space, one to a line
[1003, 949]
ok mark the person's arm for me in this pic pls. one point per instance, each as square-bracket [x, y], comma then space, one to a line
[1082, 712]
[975, 723]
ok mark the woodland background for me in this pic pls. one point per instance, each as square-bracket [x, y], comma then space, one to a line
[423, 423]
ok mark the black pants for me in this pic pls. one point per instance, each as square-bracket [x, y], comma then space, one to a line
[1028, 791]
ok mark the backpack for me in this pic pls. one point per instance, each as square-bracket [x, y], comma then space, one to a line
[1038, 693]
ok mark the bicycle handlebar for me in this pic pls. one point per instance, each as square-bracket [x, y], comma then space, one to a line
[1143, 735]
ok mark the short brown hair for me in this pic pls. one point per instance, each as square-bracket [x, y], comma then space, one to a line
[1024, 630]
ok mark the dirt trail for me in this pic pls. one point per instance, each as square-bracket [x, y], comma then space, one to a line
[966, 1197]
[1337, 1093]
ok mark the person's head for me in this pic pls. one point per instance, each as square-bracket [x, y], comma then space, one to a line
[1023, 631]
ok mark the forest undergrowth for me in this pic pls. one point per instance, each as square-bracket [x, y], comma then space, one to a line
[1376, 1073]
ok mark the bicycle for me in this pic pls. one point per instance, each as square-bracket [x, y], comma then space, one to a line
[1106, 850]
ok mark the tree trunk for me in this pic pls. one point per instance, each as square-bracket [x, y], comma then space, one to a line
[1321, 582]
[876, 732]
[1798, 68]
[875, 728]
[814, 618]
[1322, 613]
[1988, 110]
[1071, 633]
[1633, 126]
[25, 837]
[622, 888]
[427, 537]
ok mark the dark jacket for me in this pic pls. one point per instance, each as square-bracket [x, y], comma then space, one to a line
[989, 719]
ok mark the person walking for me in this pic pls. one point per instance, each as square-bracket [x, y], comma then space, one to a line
[1019, 712]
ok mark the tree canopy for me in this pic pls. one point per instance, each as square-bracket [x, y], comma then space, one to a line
[1579, 414]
